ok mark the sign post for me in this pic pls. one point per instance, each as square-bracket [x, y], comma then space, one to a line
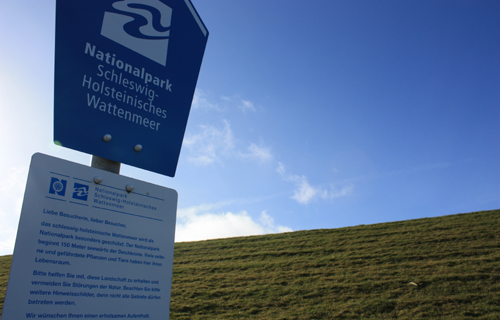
[92, 243]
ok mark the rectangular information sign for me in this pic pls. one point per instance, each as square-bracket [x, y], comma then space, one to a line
[88, 248]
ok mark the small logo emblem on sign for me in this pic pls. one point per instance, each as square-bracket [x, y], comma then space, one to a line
[80, 191]
[142, 26]
[57, 186]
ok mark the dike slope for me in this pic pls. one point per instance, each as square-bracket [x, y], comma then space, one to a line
[434, 268]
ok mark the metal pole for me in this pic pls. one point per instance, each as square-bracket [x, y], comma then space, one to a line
[105, 164]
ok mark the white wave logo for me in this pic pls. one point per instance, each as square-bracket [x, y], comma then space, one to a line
[142, 26]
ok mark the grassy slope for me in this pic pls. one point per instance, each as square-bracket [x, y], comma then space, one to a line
[5, 262]
[359, 272]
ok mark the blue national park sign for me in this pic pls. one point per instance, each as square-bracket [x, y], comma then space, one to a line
[125, 75]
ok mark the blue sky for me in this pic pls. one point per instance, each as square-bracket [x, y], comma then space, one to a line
[307, 114]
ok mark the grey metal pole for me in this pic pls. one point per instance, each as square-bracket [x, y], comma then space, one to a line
[105, 164]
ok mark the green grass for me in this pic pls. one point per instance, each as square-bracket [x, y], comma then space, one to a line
[5, 262]
[363, 272]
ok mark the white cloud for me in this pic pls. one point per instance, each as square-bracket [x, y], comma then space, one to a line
[345, 191]
[199, 223]
[207, 146]
[11, 197]
[246, 106]
[268, 222]
[262, 154]
[305, 193]
[281, 170]
[243, 105]
[201, 101]
[212, 143]
[191, 212]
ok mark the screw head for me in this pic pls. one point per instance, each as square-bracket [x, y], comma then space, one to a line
[129, 188]
[97, 180]
[106, 137]
[138, 147]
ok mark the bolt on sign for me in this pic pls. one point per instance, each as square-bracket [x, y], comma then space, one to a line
[125, 75]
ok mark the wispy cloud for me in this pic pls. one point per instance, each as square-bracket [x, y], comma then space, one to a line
[304, 192]
[268, 222]
[201, 101]
[244, 105]
[212, 144]
[204, 222]
[215, 144]
[209, 144]
[260, 153]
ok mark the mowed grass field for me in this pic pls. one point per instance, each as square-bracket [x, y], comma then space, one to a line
[434, 268]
